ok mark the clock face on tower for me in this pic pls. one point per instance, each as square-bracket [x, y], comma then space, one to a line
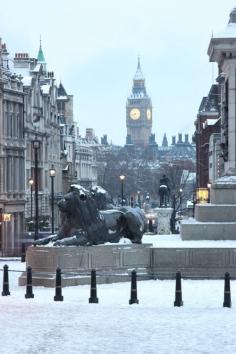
[149, 114]
[134, 113]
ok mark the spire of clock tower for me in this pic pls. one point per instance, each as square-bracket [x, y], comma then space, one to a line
[139, 75]
[139, 111]
[139, 89]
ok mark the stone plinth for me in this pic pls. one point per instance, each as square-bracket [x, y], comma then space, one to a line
[193, 230]
[113, 263]
[223, 191]
[217, 220]
[163, 220]
[194, 262]
[215, 212]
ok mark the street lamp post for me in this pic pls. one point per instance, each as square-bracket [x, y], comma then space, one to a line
[31, 182]
[180, 199]
[36, 147]
[209, 191]
[122, 178]
[139, 199]
[52, 173]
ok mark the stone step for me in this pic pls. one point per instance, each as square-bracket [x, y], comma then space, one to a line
[215, 212]
[48, 279]
[196, 230]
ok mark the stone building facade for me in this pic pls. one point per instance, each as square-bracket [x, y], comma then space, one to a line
[222, 50]
[40, 123]
[207, 123]
[78, 155]
[32, 108]
[12, 161]
[215, 159]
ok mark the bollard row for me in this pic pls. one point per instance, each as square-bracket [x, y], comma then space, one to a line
[93, 299]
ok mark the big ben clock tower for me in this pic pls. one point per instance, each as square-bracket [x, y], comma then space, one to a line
[138, 112]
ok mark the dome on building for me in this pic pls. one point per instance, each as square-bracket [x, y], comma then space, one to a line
[232, 16]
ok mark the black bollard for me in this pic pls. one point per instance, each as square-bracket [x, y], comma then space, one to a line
[58, 292]
[93, 290]
[133, 295]
[227, 294]
[29, 289]
[5, 289]
[23, 252]
[178, 291]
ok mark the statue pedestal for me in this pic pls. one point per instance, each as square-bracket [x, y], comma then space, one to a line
[214, 221]
[113, 263]
[163, 220]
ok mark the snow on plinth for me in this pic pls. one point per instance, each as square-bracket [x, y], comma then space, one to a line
[175, 241]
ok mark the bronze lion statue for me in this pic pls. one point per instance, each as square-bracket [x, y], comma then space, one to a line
[84, 224]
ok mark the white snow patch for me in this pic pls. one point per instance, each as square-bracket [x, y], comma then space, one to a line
[62, 97]
[226, 179]
[81, 189]
[45, 89]
[98, 189]
[229, 32]
[175, 241]
[125, 240]
[27, 80]
[112, 326]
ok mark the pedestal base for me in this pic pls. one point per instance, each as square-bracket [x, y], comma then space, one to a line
[116, 264]
[163, 220]
[217, 220]
[223, 190]
[113, 263]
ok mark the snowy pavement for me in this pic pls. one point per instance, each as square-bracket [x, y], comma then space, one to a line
[175, 241]
[41, 325]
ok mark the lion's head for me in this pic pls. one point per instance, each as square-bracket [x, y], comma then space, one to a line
[78, 205]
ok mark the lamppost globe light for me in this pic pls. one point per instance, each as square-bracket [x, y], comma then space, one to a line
[122, 177]
[52, 171]
[31, 181]
[181, 190]
[209, 185]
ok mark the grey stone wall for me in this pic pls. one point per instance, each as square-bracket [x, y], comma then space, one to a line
[114, 263]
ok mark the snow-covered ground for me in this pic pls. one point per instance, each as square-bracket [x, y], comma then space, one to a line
[175, 241]
[41, 325]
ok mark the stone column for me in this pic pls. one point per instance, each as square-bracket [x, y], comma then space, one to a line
[222, 50]
[229, 68]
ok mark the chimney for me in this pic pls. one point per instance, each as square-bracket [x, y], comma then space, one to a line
[180, 138]
[22, 60]
[173, 140]
[186, 139]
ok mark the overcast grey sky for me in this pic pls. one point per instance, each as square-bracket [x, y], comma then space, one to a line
[93, 45]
